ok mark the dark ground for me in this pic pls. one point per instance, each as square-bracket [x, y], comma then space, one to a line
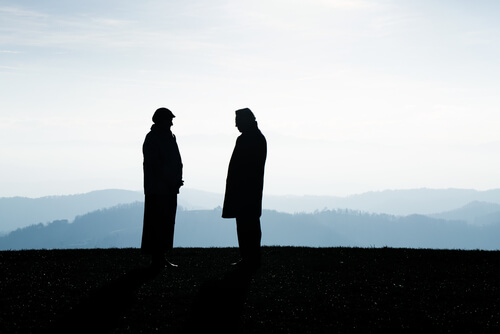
[299, 290]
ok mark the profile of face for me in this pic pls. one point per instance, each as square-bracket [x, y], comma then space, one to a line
[242, 123]
[166, 123]
[237, 122]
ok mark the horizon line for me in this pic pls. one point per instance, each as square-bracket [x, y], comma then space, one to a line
[265, 194]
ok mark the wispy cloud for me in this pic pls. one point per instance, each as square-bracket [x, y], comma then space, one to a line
[346, 4]
[9, 68]
[483, 37]
[21, 28]
[19, 12]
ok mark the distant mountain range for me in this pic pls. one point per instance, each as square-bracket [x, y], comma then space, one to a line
[477, 213]
[16, 212]
[121, 226]
[395, 202]
[471, 206]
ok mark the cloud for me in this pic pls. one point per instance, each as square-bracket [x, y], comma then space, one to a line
[345, 4]
[483, 37]
[21, 13]
[94, 33]
[10, 68]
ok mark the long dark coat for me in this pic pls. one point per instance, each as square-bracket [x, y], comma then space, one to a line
[162, 179]
[162, 162]
[245, 176]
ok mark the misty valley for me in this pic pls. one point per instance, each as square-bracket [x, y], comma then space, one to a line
[120, 226]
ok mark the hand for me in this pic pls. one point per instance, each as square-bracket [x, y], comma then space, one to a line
[179, 185]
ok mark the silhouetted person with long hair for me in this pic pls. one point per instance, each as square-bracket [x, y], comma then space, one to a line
[162, 180]
[244, 185]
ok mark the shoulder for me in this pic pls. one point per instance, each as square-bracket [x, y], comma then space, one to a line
[151, 136]
[259, 137]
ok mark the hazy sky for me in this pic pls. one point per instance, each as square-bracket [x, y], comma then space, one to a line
[352, 95]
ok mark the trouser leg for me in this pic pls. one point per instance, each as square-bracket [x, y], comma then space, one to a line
[249, 237]
[159, 224]
[171, 208]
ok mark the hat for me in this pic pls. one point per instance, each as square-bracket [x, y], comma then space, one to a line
[245, 114]
[161, 115]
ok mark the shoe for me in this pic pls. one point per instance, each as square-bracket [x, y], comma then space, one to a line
[237, 263]
[160, 261]
[169, 264]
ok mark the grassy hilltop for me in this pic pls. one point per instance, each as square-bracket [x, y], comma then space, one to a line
[298, 290]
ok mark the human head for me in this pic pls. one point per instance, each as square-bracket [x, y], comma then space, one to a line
[245, 119]
[163, 116]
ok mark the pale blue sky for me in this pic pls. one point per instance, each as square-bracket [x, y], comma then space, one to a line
[352, 96]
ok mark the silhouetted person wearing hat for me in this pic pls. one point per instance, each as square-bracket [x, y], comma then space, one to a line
[244, 185]
[162, 180]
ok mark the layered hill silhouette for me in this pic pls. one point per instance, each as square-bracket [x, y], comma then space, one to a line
[18, 212]
[477, 213]
[395, 202]
[121, 226]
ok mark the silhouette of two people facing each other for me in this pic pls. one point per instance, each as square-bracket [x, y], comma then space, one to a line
[242, 199]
